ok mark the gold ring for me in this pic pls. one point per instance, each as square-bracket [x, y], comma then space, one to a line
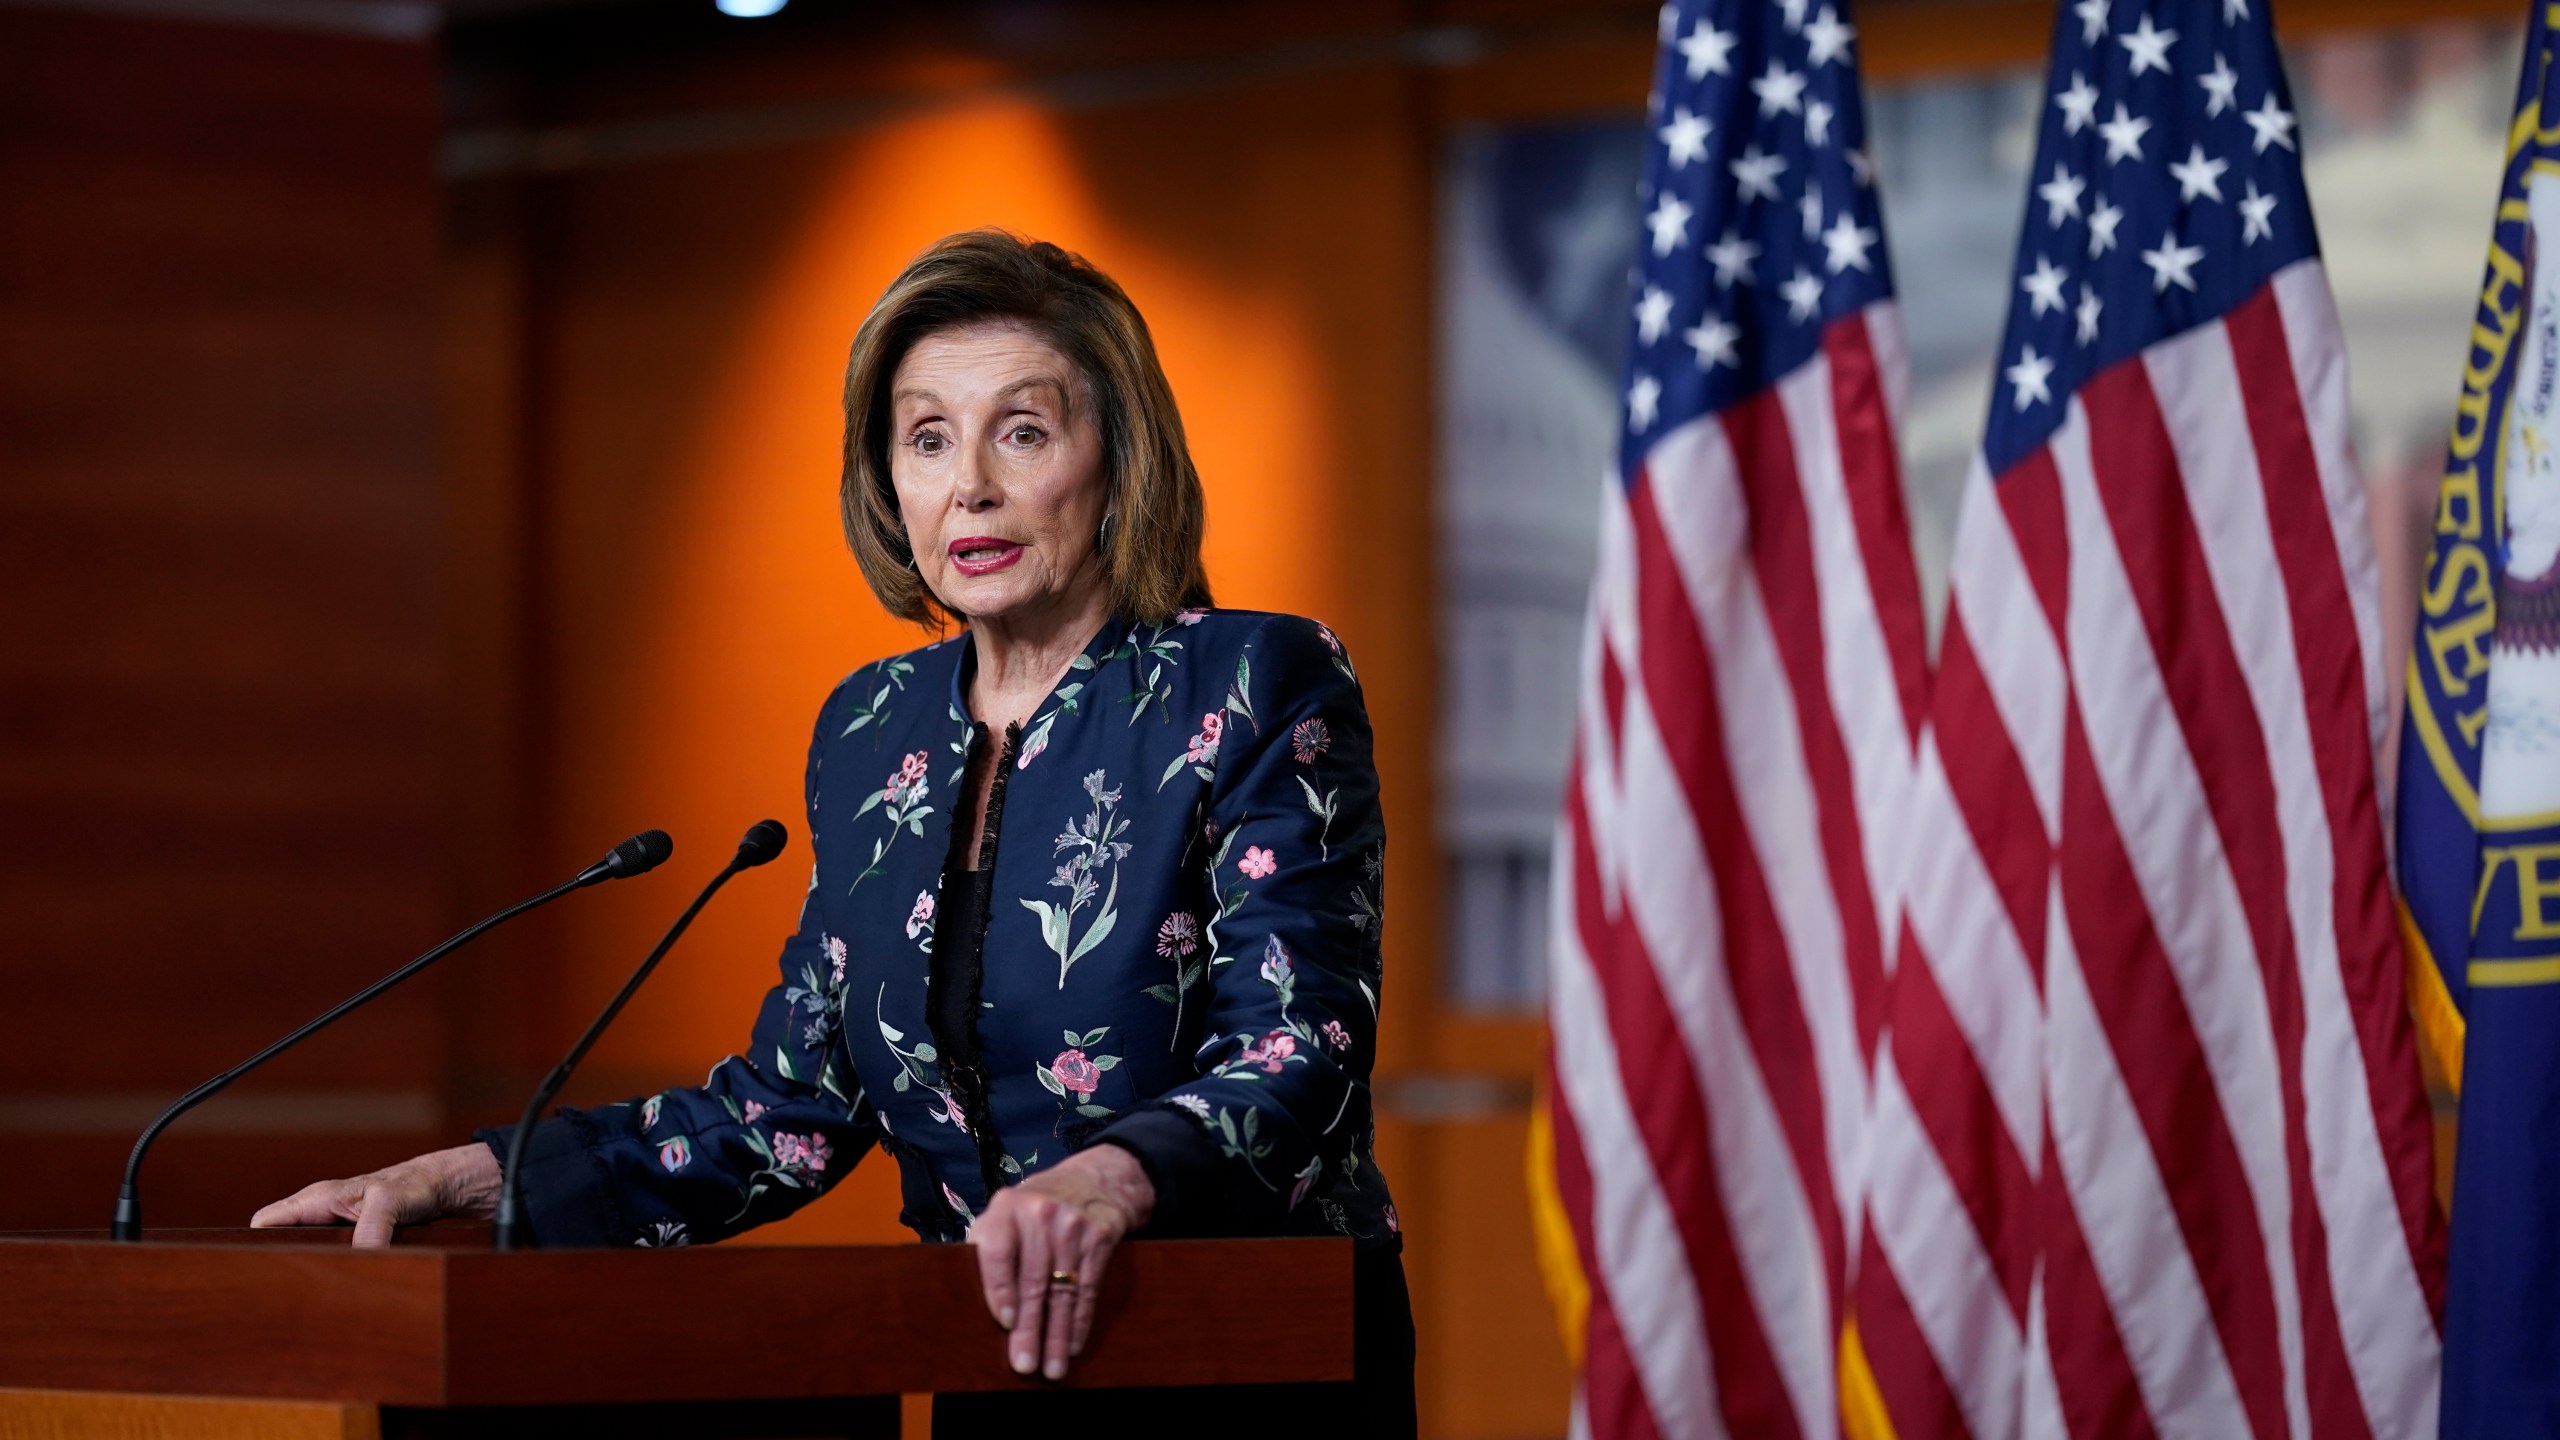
[1062, 1277]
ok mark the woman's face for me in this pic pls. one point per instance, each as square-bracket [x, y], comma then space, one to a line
[997, 457]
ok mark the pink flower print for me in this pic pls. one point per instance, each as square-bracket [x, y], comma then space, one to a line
[1273, 1051]
[1325, 633]
[1178, 935]
[1392, 1223]
[958, 1206]
[1204, 746]
[1192, 616]
[1308, 740]
[1031, 749]
[1076, 1072]
[801, 1153]
[835, 952]
[907, 783]
[1257, 862]
[1277, 967]
[1337, 1037]
[675, 1154]
[947, 1111]
[922, 915]
[755, 1111]
[649, 1113]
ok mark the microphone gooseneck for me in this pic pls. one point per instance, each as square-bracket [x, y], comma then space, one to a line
[763, 841]
[637, 855]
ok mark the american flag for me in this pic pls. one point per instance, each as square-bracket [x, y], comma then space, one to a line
[2151, 1151]
[1754, 665]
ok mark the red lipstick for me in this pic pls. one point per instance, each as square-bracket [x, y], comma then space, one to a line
[982, 554]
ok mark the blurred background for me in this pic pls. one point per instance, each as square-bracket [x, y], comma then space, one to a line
[418, 436]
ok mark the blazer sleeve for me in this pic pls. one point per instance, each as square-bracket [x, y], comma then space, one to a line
[766, 1132]
[1295, 850]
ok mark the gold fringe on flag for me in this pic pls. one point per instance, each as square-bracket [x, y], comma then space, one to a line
[2440, 1025]
[1567, 1288]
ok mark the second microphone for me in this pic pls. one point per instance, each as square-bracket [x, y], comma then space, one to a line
[763, 841]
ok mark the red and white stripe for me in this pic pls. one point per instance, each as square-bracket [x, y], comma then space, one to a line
[1753, 676]
[2151, 1154]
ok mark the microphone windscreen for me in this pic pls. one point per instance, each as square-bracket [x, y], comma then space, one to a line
[764, 840]
[640, 854]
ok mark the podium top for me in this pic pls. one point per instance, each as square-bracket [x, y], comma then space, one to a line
[253, 1313]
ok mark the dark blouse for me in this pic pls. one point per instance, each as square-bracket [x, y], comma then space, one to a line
[955, 974]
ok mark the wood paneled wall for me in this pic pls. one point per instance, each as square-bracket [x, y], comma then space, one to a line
[220, 677]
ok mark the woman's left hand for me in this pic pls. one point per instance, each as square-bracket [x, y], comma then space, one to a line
[1059, 1223]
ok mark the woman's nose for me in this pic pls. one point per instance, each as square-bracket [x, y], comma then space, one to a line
[974, 488]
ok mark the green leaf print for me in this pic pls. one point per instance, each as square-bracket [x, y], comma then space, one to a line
[1101, 928]
[1053, 923]
[1323, 809]
[1238, 698]
[894, 675]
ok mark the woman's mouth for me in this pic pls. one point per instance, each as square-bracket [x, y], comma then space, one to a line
[982, 555]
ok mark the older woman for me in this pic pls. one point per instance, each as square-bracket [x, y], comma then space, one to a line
[1091, 946]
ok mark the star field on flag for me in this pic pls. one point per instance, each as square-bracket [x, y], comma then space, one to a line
[1759, 210]
[2186, 198]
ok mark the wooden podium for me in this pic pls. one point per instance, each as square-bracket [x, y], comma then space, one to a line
[281, 1333]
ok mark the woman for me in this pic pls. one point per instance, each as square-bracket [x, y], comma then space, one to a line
[1091, 946]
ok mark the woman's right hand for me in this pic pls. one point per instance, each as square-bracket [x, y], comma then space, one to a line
[460, 1183]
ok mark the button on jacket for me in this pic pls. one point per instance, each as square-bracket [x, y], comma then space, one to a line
[1180, 956]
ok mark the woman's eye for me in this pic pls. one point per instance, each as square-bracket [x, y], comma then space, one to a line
[1028, 435]
[927, 443]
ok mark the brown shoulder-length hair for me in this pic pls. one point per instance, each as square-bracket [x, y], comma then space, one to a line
[1151, 553]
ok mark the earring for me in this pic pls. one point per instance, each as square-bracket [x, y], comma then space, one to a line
[1102, 539]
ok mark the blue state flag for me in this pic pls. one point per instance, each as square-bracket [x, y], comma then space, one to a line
[2479, 808]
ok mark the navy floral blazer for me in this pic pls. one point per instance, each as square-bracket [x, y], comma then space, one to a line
[1181, 956]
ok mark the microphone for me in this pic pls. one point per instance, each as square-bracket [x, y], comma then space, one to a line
[763, 841]
[638, 855]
